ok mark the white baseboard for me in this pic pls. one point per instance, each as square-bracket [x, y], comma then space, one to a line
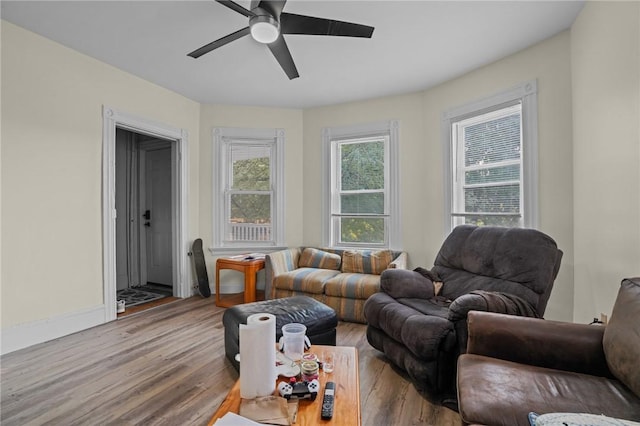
[24, 335]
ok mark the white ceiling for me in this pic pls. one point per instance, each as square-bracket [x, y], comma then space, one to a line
[415, 45]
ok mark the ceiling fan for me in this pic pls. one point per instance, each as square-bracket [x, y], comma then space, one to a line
[268, 23]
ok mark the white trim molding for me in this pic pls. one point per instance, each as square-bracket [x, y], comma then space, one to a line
[113, 119]
[24, 335]
[221, 137]
[390, 128]
[527, 94]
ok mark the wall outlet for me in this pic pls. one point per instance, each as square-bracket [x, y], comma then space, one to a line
[603, 318]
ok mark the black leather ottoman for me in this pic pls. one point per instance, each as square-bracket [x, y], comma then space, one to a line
[320, 320]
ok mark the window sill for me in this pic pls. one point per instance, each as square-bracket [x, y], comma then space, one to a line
[230, 251]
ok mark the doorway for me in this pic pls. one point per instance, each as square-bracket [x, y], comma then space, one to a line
[144, 198]
[132, 254]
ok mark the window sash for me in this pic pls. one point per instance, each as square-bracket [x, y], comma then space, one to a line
[338, 213]
[261, 224]
[460, 211]
[525, 95]
[380, 241]
[331, 213]
[244, 150]
[235, 231]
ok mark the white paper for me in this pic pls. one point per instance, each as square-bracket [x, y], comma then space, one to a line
[232, 419]
[258, 357]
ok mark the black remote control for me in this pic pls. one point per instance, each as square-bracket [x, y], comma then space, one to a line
[327, 401]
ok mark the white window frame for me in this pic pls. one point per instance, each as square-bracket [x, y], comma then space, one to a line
[527, 95]
[223, 138]
[331, 136]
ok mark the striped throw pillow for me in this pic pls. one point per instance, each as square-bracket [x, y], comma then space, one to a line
[314, 258]
[366, 261]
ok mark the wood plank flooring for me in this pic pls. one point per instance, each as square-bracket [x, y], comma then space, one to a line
[166, 366]
[144, 306]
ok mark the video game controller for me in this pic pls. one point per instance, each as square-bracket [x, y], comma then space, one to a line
[299, 390]
[314, 387]
[285, 390]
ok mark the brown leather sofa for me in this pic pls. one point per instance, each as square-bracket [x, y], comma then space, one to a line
[516, 365]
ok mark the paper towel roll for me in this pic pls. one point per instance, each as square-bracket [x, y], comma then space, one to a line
[258, 356]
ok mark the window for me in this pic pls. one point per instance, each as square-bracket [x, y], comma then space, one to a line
[248, 188]
[491, 161]
[361, 208]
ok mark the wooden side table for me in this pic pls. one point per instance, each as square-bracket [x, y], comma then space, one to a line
[249, 267]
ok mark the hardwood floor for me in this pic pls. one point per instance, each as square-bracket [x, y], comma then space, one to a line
[143, 307]
[166, 366]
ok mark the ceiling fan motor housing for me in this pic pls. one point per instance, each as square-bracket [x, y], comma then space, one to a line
[264, 28]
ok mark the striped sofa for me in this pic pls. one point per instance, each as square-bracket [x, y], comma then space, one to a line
[341, 279]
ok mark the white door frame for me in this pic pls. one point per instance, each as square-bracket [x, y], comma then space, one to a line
[113, 118]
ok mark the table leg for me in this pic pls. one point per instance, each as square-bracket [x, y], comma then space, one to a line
[217, 285]
[250, 285]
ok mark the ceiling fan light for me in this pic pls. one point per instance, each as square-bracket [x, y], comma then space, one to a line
[264, 29]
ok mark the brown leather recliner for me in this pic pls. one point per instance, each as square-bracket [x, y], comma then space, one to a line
[422, 331]
[517, 365]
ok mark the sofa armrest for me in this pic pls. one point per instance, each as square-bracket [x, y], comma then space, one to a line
[533, 341]
[399, 283]
[276, 263]
[399, 262]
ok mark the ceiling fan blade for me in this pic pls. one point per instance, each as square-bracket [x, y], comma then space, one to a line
[219, 43]
[300, 24]
[236, 7]
[283, 56]
[274, 7]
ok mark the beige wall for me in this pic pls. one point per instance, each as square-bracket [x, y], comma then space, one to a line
[421, 153]
[605, 56]
[52, 101]
[290, 120]
[407, 110]
[588, 86]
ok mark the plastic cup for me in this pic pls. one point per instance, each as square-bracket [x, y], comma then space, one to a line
[328, 363]
[293, 335]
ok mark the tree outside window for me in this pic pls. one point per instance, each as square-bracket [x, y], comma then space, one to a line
[362, 191]
[250, 193]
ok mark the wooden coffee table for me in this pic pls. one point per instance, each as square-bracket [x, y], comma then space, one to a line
[346, 410]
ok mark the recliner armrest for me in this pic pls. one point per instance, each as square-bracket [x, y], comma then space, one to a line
[532, 341]
[399, 283]
[490, 301]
